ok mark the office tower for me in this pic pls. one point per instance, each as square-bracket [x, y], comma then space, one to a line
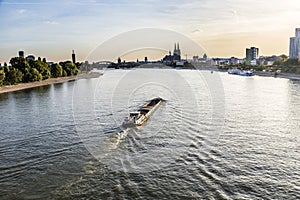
[295, 45]
[73, 57]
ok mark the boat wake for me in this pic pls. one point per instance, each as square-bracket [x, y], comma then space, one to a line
[118, 137]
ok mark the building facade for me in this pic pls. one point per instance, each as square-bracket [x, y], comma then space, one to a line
[21, 54]
[252, 55]
[295, 45]
[177, 52]
[172, 59]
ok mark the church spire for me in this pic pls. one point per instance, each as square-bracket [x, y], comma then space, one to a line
[178, 46]
[175, 46]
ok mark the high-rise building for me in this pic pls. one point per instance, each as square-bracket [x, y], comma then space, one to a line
[21, 54]
[251, 54]
[73, 57]
[295, 45]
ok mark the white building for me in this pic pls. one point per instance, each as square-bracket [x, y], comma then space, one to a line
[253, 62]
[295, 45]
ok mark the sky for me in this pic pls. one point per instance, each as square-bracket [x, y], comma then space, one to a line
[223, 28]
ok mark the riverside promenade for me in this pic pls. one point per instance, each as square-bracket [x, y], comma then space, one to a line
[22, 86]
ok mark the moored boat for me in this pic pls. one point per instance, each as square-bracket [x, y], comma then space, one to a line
[240, 72]
[140, 116]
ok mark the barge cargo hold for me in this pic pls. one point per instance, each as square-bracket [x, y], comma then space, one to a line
[140, 116]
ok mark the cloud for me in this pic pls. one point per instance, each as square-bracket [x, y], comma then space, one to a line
[21, 11]
[196, 31]
[51, 22]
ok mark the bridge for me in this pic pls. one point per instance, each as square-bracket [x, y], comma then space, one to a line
[101, 64]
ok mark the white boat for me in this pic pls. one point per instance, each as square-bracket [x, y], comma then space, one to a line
[240, 72]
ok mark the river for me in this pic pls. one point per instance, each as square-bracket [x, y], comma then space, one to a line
[217, 136]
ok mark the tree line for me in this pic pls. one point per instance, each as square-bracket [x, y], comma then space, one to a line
[291, 65]
[285, 64]
[22, 70]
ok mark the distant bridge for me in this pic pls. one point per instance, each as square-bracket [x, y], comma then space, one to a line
[101, 64]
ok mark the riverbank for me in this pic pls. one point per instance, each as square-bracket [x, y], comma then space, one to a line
[265, 74]
[278, 75]
[22, 86]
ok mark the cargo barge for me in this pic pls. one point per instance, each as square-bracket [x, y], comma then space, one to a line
[140, 116]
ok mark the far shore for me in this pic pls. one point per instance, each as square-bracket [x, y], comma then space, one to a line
[22, 86]
[290, 76]
[278, 75]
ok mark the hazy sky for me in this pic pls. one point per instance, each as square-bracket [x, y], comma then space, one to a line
[223, 28]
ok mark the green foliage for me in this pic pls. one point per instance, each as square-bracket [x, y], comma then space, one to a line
[291, 62]
[33, 75]
[43, 68]
[5, 68]
[278, 62]
[2, 77]
[46, 74]
[14, 76]
[291, 69]
[64, 73]
[19, 63]
[56, 70]
[70, 68]
[291, 65]
[287, 62]
[284, 57]
[23, 70]
[258, 67]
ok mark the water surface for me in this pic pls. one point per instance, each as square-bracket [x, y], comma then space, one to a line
[218, 136]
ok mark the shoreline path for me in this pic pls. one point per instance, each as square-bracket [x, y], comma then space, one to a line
[22, 86]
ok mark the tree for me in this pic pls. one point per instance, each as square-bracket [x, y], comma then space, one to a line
[284, 57]
[291, 61]
[43, 68]
[5, 69]
[70, 68]
[14, 76]
[2, 77]
[278, 62]
[19, 63]
[34, 75]
[56, 70]
[64, 73]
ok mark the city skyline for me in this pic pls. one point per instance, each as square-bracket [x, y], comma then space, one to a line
[223, 28]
